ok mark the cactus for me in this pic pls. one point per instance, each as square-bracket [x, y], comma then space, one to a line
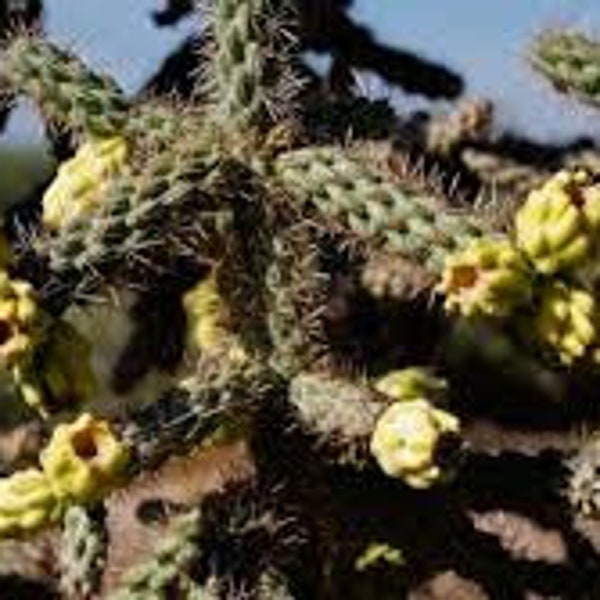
[165, 571]
[244, 71]
[571, 62]
[185, 415]
[82, 552]
[298, 290]
[138, 208]
[392, 217]
[339, 414]
[68, 94]
[304, 279]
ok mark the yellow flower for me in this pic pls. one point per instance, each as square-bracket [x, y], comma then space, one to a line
[567, 321]
[488, 277]
[557, 227]
[18, 320]
[78, 187]
[406, 439]
[27, 503]
[208, 321]
[205, 314]
[410, 384]
[84, 460]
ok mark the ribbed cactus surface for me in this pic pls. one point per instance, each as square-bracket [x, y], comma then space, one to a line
[373, 207]
[67, 92]
[571, 62]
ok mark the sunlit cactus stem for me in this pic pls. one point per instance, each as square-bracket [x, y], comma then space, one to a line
[141, 215]
[68, 94]
[390, 216]
[247, 71]
[571, 62]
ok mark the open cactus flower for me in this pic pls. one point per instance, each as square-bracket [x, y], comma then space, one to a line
[82, 463]
[84, 460]
[489, 277]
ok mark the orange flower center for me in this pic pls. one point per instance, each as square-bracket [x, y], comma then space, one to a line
[463, 277]
[84, 445]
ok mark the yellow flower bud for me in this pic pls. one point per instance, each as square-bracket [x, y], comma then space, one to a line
[410, 384]
[406, 438]
[78, 187]
[84, 460]
[206, 315]
[488, 277]
[208, 321]
[567, 322]
[18, 320]
[27, 503]
[558, 225]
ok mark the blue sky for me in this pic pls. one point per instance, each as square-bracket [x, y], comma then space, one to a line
[486, 40]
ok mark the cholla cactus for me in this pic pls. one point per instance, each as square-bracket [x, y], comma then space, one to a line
[571, 62]
[287, 259]
[83, 552]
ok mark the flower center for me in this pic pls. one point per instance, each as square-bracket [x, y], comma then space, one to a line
[464, 277]
[84, 445]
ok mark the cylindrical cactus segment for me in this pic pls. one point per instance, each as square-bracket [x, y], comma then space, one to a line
[339, 413]
[571, 62]
[141, 214]
[246, 71]
[68, 94]
[298, 290]
[394, 219]
[221, 391]
[82, 552]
